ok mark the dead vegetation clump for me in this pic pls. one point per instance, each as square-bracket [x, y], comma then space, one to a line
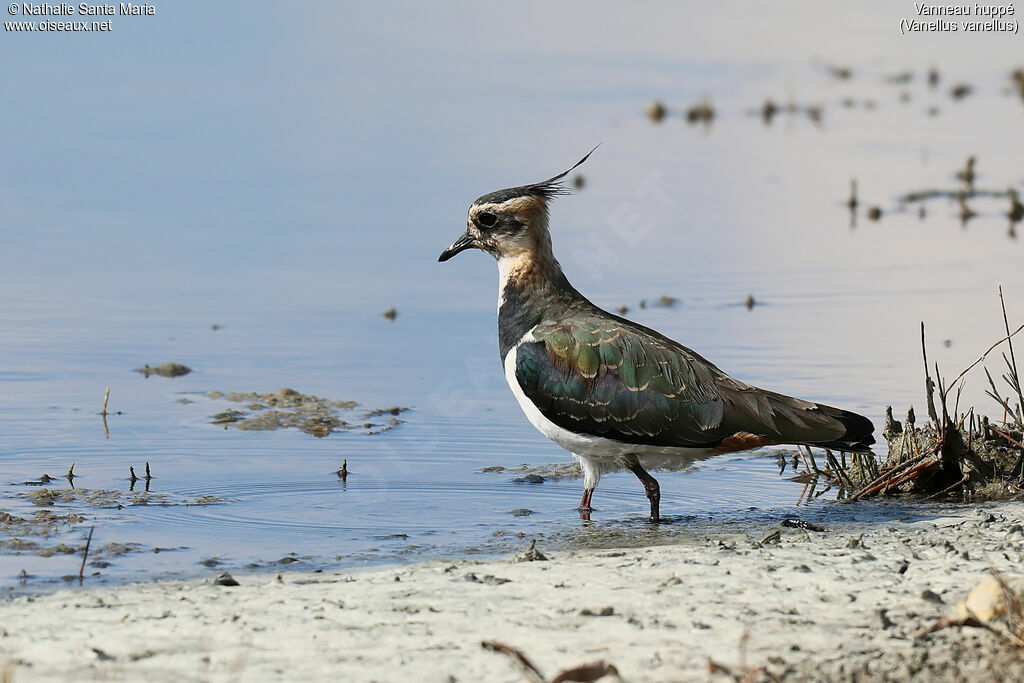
[953, 453]
[958, 452]
[287, 408]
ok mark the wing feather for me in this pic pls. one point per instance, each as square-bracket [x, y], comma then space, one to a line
[606, 376]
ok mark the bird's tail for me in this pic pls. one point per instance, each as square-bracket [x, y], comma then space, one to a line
[859, 431]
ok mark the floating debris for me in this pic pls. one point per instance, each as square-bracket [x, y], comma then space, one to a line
[393, 410]
[851, 203]
[666, 301]
[228, 416]
[562, 470]
[701, 113]
[960, 91]
[966, 213]
[842, 73]
[901, 78]
[313, 415]
[1016, 212]
[656, 111]
[208, 499]
[1018, 80]
[967, 173]
[44, 479]
[164, 370]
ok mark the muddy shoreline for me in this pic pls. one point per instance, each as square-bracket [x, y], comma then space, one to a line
[832, 604]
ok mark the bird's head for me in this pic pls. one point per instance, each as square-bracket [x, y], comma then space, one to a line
[511, 222]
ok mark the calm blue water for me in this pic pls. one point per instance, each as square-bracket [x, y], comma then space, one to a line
[289, 175]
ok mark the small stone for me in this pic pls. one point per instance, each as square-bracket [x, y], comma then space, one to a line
[531, 554]
[225, 579]
[603, 612]
[802, 524]
[489, 579]
[96, 653]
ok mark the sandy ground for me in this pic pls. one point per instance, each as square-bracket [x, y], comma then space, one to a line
[843, 604]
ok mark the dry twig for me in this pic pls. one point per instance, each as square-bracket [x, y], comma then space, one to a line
[85, 555]
[580, 674]
[983, 356]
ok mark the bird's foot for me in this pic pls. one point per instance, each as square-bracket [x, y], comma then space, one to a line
[584, 507]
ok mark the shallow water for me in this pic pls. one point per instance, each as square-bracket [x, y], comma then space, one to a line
[273, 183]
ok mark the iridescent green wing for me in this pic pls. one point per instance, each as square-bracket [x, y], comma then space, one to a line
[609, 377]
[596, 376]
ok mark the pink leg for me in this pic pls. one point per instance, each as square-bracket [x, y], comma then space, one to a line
[584, 507]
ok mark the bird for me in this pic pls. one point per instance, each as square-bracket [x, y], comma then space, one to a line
[616, 394]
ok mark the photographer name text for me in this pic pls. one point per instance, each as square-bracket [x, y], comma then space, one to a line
[123, 9]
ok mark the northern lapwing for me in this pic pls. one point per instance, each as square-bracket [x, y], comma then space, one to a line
[614, 393]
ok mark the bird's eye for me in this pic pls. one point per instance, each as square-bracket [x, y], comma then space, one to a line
[487, 219]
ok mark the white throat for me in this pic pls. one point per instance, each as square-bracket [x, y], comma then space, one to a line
[506, 266]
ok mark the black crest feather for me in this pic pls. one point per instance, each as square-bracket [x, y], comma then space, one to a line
[552, 187]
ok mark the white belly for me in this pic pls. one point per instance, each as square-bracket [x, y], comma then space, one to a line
[596, 451]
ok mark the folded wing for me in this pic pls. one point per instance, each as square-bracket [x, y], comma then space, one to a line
[612, 378]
